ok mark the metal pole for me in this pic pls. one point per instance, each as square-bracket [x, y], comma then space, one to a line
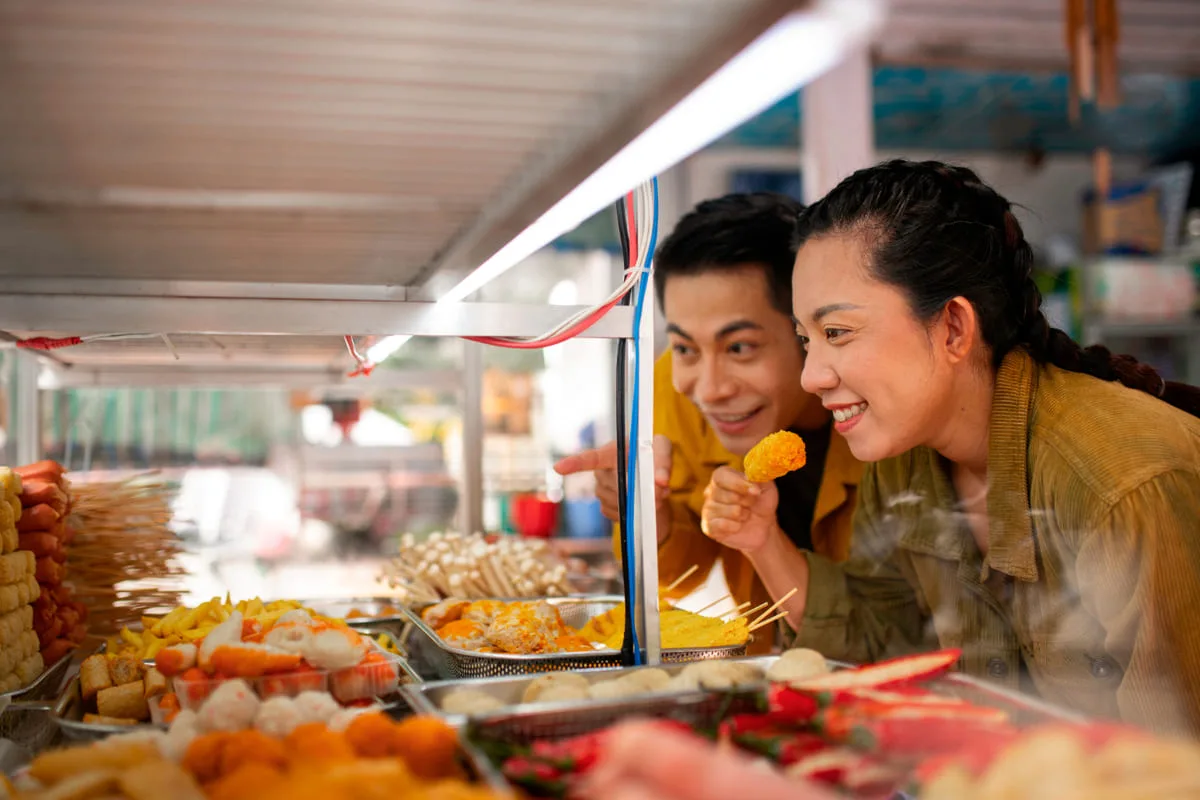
[472, 438]
[28, 423]
[645, 528]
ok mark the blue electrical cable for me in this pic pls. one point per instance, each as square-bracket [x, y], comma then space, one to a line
[631, 555]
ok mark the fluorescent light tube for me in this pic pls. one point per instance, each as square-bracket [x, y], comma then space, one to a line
[792, 53]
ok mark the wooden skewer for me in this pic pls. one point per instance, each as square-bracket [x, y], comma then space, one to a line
[777, 604]
[716, 602]
[675, 584]
[767, 621]
[754, 610]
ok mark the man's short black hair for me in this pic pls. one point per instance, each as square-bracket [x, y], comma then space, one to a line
[734, 231]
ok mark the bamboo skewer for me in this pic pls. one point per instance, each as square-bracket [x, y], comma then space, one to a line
[754, 610]
[776, 605]
[716, 602]
[675, 584]
[765, 622]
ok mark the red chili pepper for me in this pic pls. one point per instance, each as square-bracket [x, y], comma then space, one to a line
[889, 674]
[791, 705]
[748, 724]
[922, 736]
[576, 755]
[536, 776]
[785, 749]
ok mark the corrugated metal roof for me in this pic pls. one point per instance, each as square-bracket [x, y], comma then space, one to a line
[303, 140]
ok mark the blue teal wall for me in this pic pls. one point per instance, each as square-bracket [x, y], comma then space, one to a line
[959, 110]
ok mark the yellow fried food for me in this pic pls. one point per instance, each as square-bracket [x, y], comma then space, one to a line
[775, 456]
[186, 624]
[678, 630]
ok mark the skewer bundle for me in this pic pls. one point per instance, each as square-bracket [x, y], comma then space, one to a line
[470, 567]
[123, 557]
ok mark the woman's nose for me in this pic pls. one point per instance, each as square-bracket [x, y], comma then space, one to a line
[817, 376]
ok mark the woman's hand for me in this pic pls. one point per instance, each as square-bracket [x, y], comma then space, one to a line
[644, 761]
[738, 513]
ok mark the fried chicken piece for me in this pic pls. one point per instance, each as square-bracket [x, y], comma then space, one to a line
[251, 747]
[775, 456]
[313, 742]
[428, 746]
[250, 781]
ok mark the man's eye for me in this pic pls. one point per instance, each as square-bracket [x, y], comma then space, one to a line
[741, 348]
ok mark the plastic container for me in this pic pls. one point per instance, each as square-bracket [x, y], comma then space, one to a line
[364, 681]
[535, 516]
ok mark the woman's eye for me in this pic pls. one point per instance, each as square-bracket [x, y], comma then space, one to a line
[803, 340]
[834, 333]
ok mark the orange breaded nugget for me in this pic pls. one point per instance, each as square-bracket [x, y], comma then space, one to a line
[775, 456]
[252, 747]
[313, 742]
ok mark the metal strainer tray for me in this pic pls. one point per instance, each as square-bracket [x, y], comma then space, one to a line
[434, 657]
[427, 698]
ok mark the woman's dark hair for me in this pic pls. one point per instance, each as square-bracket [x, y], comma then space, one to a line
[938, 232]
[733, 231]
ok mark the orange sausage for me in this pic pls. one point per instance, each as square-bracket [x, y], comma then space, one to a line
[39, 543]
[38, 518]
[45, 470]
[48, 572]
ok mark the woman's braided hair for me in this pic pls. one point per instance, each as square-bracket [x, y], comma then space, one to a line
[938, 232]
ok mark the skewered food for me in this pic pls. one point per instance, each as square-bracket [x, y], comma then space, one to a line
[775, 456]
[678, 629]
[453, 565]
[123, 553]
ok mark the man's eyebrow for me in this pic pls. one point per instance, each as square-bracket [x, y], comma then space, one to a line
[678, 331]
[738, 327]
[829, 309]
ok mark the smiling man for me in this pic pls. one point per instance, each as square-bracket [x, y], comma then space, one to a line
[732, 376]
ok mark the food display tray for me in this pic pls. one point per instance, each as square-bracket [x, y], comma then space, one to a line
[377, 613]
[426, 698]
[49, 680]
[433, 656]
[545, 721]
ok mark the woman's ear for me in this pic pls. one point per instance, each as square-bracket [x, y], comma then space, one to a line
[960, 329]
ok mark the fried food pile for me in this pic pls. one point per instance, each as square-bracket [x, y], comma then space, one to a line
[678, 629]
[120, 689]
[371, 756]
[45, 503]
[775, 456]
[494, 626]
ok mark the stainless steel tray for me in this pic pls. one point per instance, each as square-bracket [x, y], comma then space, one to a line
[377, 611]
[537, 721]
[434, 656]
[50, 677]
[426, 698]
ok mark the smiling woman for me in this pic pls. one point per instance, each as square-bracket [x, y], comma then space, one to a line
[1031, 502]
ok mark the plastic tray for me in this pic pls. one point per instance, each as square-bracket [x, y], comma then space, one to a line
[346, 685]
[437, 658]
[426, 698]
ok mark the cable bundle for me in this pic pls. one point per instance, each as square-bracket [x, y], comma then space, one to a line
[637, 223]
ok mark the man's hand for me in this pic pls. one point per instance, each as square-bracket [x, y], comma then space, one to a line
[603, 462]
[645, 761]
[738, 513]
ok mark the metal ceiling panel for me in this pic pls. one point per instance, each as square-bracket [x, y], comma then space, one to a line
[307, 141]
